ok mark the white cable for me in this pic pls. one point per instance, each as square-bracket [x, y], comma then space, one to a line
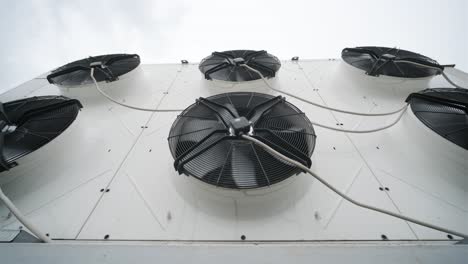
[349, 199]
[126, 105]
[363, 131]
[316, 104]
[22, 219]
[435, 68]
[401, 110]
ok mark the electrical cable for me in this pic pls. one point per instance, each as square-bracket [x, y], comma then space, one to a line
[22, 219]
[435, 68]
[126, 105]
[317, 104]
[401, 110]
[344, 196]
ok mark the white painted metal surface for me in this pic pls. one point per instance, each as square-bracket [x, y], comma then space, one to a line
[126, 151]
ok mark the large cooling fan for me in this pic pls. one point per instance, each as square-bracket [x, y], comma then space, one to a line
[445, 111]
[78, 72]
[225, 65]
[28, 124]
[205, 140]
[391, 61]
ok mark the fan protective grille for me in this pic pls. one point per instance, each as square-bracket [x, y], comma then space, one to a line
[204, 145]
[78, 72]
[38, 120]
[390, 61]
[445, 111]
[225, 65]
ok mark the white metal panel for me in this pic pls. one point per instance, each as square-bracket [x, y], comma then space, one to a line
[94, 146]
[148, 200]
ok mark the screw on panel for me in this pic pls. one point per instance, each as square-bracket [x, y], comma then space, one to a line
[384, 237]
[144, 127]
[387, 189]
[106, 237]
[47, 235]
[107, 190]
[377, 147]
[334, 148]
[317, 216]
[169, 216]
[450, 236]
[165, 92]
[381, 188]
[243, 237]
[184, 61]
[109, 150]
[295, 58]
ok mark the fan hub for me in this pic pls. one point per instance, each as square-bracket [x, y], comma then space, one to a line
[388, 56]
[239, 126]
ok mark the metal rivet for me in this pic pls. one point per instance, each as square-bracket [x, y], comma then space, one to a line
[450, 236]
[380, 188]
[102, 190]
[317, 216]
[387, 189]
[384, 237]
[107, 190]
[243, 237]
[106, 237]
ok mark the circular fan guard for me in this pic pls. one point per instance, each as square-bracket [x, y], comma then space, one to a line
[225, 65]
[445, 111]
[28, 124]
[391, 61]
[78, 72]
[205, 140]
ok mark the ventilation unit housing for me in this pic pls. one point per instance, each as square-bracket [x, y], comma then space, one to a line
[395, 62]
[445, 111]
[206, 144]
[28, 124]
[78, 72]
[225, 65]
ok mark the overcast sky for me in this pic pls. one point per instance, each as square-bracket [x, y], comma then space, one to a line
[40, 35]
